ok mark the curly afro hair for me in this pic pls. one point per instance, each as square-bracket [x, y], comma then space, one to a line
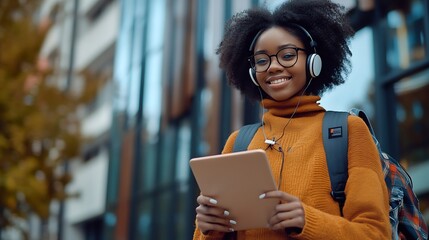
[325, 21]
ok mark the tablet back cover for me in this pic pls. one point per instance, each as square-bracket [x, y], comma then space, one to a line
[236, 180]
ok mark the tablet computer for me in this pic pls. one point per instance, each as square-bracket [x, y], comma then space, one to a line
[236, 180]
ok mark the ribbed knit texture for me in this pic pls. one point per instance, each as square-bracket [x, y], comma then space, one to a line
[305, 175]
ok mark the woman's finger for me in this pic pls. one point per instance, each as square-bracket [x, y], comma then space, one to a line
[286, 197]
[288, 217]
[203, 200]
[214, 211]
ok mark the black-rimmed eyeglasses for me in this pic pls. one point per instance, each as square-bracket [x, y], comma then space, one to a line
[287, 57]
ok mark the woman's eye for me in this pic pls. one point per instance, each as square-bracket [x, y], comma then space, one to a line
[288, 56]
[261, 61]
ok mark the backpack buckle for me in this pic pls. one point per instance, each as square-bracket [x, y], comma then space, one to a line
[339, 196]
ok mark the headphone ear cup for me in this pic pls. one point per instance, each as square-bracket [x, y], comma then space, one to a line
[252, 74]
[314, 65]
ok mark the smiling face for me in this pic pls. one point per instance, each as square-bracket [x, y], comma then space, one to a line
[280, 82]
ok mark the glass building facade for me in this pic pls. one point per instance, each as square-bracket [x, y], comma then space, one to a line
[172, 103]
[401, 45]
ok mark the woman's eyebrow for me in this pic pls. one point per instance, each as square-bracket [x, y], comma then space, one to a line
[278, 48]
[286, 45]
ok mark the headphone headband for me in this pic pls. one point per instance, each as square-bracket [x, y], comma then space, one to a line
[313, 43]
[252, 45]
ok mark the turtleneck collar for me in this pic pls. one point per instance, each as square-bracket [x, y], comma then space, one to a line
[286, 108]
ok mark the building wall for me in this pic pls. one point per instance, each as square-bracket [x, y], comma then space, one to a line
[401, 41]
[167, 109]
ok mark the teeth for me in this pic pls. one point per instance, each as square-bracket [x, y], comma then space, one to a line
[277, 81]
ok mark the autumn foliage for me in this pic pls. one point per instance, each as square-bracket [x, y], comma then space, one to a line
[39, 129]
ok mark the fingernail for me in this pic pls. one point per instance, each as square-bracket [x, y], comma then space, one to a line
[213, 201]
[231, 230]
[233, 222]
[225, 213]
[262, 196]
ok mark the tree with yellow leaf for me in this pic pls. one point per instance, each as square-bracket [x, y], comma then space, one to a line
[39, 129]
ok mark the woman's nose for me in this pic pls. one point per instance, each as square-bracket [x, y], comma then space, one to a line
[275, 65]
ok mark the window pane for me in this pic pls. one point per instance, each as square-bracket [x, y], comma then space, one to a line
[181, 216]
[109, 225]
[405, 40]
[144, 222]
[168, 141]
[147, 168]
[183, 152]
[413, 118]
[164, 215]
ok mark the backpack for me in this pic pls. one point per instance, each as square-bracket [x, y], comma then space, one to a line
[405, 217]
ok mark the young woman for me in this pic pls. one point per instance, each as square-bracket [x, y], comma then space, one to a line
[276, 58]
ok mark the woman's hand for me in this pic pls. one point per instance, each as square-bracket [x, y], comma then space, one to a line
[289, 213]
[210, 217]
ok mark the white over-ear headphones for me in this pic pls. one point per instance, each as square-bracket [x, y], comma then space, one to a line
[253, 76]
[314, 65]
[314, 62]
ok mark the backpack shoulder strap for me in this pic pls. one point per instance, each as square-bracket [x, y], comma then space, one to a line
[245, 135]
[335, 142]
[364, 117]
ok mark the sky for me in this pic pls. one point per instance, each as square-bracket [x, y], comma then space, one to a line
[360, 79]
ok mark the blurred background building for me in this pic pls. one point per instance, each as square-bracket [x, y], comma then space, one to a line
[81, 46]
[164, 100]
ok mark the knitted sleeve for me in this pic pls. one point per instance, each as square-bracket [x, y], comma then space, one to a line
[213, 235]
[229, 145]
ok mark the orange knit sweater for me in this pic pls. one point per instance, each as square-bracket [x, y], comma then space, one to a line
[305, 175]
